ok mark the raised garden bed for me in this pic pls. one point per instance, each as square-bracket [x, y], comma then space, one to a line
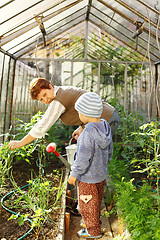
[52, 227]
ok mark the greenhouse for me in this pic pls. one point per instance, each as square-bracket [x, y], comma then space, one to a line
[107, 47]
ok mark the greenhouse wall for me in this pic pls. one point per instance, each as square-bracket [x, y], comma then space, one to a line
[15, 101]
[131, 83]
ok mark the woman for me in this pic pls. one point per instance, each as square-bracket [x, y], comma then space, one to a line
[61, 101]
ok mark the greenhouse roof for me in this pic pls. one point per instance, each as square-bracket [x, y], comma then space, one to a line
[81, 29]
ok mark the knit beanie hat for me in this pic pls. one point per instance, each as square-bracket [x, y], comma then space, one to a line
[89, 104]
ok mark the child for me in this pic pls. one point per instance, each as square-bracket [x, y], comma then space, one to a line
[94, 151]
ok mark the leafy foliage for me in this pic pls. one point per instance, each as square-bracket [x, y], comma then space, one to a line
[138, 211]
[6, 161]
[41, 193]
[136, 151]
[58, 133]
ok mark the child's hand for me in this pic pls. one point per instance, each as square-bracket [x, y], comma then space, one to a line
[72, 180]
[77, 132]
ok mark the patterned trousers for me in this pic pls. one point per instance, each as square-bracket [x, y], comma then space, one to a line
[90, 197]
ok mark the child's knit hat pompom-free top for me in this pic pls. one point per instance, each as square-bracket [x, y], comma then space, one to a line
[90, 105]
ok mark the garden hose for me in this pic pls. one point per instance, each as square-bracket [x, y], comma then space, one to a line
[8, 210]
[2, 203]
[50, 148]
[147, 180]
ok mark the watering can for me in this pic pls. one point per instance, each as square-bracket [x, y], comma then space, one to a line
[52, 148]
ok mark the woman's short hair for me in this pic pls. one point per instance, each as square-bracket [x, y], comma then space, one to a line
[36, 85]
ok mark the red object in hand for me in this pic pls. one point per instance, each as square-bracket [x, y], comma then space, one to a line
[52, 148]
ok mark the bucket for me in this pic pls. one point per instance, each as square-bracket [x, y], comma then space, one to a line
[70, 150]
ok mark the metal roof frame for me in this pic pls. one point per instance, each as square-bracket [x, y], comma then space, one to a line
[19, 32]
[124, 42]
[93, 14]
[62, 25]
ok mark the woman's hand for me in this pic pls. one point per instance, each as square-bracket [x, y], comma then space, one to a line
[18, 144]
[15, 144]
[77, 132]
[72, 180]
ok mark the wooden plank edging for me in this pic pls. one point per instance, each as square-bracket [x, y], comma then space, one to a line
[61, 227]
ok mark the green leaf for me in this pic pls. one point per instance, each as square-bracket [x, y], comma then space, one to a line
[141, 142]
[20, 221]
[13, 217]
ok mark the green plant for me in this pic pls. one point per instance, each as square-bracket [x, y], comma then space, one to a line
[43, 195]
[118, 167]
[58, 133]
[138, 211]
[129, 124]
[22, 127]
[121, 237]
[149, 141]
[42, 199]
[6, 161]
[125, 147]
[137, 151]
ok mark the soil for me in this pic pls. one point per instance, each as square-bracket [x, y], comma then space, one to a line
[10, 230]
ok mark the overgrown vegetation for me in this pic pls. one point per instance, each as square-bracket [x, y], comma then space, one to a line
[136, 158]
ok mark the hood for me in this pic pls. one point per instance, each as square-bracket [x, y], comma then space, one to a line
[101, 132]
